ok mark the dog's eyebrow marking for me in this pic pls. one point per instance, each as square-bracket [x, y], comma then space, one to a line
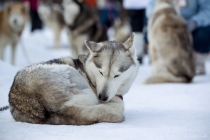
[98, 65]
[124, 68]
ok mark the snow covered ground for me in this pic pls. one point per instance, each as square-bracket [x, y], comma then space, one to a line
[152, 112]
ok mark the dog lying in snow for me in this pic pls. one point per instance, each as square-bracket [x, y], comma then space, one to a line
[76, 91]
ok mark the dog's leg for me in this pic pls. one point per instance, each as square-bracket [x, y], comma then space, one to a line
[72, 46]
[74, 50]
[153, 53]
[79, 43]
[14, 47]
[3, 45]
[89, 114]
[57, 43]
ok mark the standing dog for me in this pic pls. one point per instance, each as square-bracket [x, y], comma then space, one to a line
[82, 24]
[51, 15]
[122, 29]
[170, 45]
[13, 19]
[65, 91]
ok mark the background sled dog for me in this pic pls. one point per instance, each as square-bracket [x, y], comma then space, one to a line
[122, 27]
[82, 24]
[65, 91]
[122, 30]
[170, 45]
[51, 15]
[13, 19]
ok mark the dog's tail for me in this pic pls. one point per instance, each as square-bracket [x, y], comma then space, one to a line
[165, 79]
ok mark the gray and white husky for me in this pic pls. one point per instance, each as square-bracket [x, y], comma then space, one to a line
[79, 91]
[82, 24]
[51, 15]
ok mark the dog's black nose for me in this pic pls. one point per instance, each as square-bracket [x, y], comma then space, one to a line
[103, 97]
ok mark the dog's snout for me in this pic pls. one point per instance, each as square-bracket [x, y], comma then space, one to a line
[103, 97]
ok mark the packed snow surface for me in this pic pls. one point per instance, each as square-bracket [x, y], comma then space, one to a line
[152, 112]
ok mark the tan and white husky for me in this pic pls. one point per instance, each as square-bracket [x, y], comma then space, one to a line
[76, 91]
[13, 19]
[170, 45]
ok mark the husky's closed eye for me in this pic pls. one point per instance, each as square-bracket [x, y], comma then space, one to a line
[97, 64]
[101, 73]
[116, 76]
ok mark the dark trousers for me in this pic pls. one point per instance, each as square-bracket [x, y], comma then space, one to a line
[137, 19]
[201, 39]
[107, 17]
[36, 22]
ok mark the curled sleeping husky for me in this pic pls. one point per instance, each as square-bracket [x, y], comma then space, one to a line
[82, 24]
[170, 45]
[79, 91]
[13, 18]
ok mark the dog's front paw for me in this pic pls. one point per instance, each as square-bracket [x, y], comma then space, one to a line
[116, 108]
[116, 99]
[114, 118]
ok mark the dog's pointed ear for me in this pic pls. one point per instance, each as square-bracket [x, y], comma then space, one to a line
[7, 6]
[82, 58]
[129, 42]
[93, 46]
[129, 45]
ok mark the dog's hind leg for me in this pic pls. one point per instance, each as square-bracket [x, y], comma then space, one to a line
[85, 115]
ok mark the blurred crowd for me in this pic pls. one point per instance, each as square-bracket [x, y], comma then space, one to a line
[134, 14]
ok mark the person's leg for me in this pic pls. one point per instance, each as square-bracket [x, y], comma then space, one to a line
[201, 40]
[137, 24]
[36, 22]
[201, 45]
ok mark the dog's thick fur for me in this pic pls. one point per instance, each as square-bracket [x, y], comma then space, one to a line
[170, 45]
[13, 19]
[65, 91]
[51, 15]
[82, 24]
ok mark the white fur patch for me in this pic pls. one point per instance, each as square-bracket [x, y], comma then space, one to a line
[16, 21]
[46, 66]
[44, 11]
[71, 11]
[86, 97]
